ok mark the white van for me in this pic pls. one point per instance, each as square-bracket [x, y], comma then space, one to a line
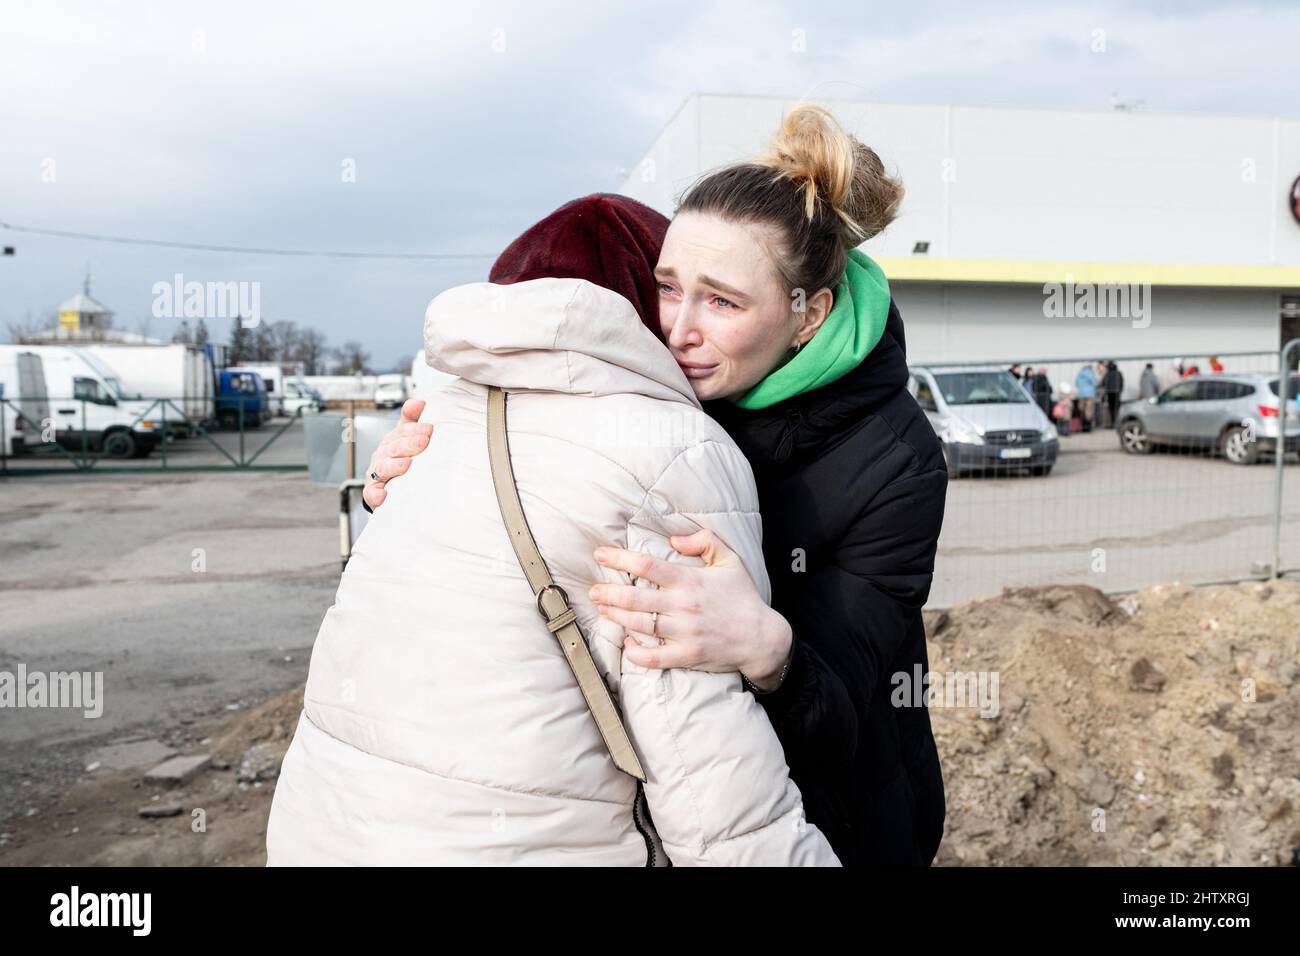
[390, 390]
[66, 395]
[273, 379]
[299, 396]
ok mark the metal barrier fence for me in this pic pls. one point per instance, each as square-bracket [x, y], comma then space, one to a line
[1120, 508]
[80, 434]
[1129, 506]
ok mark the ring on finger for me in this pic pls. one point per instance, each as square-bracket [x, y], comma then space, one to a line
[654, 627]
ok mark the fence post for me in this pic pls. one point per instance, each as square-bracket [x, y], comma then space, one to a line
[85, 438]
[1279, 454]
[352, 440]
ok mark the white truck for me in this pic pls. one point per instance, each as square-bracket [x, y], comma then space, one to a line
[180, 373]
[63, 394]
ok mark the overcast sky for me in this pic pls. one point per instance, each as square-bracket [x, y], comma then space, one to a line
[229, 122]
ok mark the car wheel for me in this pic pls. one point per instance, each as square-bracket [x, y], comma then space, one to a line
[119, 444]
[1040, 471]
[1238, 447]
[1133, 437]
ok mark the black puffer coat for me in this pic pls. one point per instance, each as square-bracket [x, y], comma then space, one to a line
[851, 482]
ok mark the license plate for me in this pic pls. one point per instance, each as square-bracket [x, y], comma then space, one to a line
[1016, 452]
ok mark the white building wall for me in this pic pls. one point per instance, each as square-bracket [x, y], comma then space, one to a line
[668, 167]
[1014, 183]
[1048, 186]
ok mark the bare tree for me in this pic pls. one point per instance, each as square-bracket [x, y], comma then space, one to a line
[263, 345]
[28, 327]
[240, 349]
[285, 337]
[311, 352]
[352, 358]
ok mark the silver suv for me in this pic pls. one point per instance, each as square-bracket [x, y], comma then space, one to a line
[1237, 415]
[985, 419]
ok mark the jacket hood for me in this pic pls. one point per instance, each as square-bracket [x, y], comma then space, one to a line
[550, 335]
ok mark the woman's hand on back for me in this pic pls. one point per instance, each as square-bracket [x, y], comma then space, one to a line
[711, 618]
[393, 456]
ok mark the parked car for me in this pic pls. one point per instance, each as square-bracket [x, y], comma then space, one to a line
[1236, 415]
[390, 390]
[985, 419]
[242, 399]
[299, 396]
[66, 394]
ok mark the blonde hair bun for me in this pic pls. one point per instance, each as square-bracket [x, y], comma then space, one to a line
[812, 150]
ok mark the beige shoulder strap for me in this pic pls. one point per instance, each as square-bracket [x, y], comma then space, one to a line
[552, 602]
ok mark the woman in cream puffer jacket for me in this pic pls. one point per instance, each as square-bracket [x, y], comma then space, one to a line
[442, 724]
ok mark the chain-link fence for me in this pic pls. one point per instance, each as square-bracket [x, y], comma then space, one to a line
[1119, 475]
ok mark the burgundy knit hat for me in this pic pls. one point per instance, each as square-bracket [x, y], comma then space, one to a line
[609, 240]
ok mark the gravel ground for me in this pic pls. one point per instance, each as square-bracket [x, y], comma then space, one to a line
[103, 574]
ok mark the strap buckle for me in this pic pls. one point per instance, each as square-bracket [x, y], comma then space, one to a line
[542, 592]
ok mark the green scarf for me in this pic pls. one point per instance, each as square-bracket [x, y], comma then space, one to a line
[854, 326]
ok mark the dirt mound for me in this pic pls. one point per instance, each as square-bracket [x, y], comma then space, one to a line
[272, 723]
[1158, 729]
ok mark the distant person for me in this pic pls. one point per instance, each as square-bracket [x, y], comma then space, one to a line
[1112, 386]
[1099, 406]
[1149, 384]
[1063, 411]
[1215, 365]
[1192, 370]
[1085, 387]
[1015, 372]
[1178, 368]
[1040, 387]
